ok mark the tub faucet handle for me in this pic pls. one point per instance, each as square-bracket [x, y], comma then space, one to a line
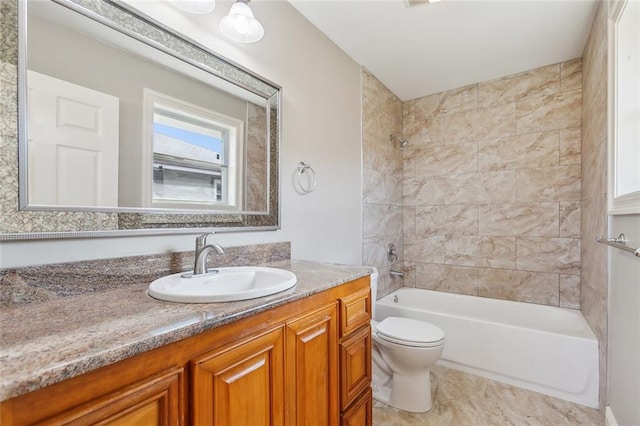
[392, 254]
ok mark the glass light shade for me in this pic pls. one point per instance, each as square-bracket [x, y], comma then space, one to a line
[200, 7]
[240, 25]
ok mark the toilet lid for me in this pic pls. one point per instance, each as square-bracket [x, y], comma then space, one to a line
[409, 332]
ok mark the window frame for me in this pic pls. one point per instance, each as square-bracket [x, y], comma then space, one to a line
[233, 200]
[628, 203]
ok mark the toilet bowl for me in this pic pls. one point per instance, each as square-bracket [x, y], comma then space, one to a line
[403, 352]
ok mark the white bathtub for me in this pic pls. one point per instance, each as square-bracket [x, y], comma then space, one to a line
[542, 348]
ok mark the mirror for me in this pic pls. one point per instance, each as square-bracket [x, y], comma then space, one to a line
[121, 117]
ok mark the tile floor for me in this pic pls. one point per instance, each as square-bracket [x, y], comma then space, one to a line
[465, 400]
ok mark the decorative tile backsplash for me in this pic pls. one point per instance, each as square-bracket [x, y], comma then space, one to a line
[492, 187]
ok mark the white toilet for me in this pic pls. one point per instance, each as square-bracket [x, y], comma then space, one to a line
[403, 352]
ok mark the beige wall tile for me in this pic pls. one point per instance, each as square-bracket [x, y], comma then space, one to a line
[383, 158]
[425, 132]
[561, 183]
[551, 112]
[486, 123]
[482, 251]
[522, 286]
[524, 151]
[375, 250]
[446, 160]
[570, 219]
[447, 220]
[425, 190]
[409, 270]
[570, 146]
[561, 255]
[449, 102]
[594, 183]
[387, 283]
[408, 162]
[408, 109]
[594, 265]
[570, 291]
[451, 279]
[376, 93]
[533, 83]
[481, 188]
[382, 188]
[571, 75]
[593, 219]
[519, 219]
[594, 308]
[409, 220]
[425, 249]
[523, 197]
[380, 219]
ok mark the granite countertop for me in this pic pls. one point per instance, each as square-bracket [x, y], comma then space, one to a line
[47, 342]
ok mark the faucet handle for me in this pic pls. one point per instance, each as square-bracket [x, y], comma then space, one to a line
[201, 240]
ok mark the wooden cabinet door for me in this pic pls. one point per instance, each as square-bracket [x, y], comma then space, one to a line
[360, 413]
[355, 366]
[241, 383]
[312, 368]
[153, 401]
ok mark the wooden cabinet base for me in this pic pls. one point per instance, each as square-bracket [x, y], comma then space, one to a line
[298, 363]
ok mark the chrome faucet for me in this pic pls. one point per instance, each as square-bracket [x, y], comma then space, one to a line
[202, 254]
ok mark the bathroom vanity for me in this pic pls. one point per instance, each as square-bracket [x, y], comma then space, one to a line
[298, 357]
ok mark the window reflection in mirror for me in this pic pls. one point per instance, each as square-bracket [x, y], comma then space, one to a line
[195, 153]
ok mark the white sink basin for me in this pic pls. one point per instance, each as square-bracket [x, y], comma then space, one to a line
[227, 285]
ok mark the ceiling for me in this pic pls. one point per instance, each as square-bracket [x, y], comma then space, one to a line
[431, 47]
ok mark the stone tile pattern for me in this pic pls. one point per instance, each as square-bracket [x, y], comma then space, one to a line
[464, 399]
[257, 154]
[492, 188]
[593, 292]
[382, 175]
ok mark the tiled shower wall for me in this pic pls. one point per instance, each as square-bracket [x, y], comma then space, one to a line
[382, 176]
[491, 188]
[594, 186]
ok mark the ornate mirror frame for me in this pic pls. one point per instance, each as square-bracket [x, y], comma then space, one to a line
[18, 224]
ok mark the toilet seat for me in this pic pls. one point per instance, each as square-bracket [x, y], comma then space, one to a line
[409, 332]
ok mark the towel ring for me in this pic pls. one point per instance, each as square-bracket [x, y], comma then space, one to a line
[305, 168]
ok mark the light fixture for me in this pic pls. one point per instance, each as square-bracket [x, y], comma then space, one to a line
[240, 24]
[200, 7]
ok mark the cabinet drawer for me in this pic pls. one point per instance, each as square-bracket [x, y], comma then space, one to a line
[355, 366]
[355, 311]
[360, 413]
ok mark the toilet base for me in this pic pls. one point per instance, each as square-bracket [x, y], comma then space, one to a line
[401, 392]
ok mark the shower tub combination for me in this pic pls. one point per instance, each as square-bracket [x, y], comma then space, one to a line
[546, 349]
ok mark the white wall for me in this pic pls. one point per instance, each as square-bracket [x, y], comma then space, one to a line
[320, 125]
[624, 324]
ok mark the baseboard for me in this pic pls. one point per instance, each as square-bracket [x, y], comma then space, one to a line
[609, 418]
